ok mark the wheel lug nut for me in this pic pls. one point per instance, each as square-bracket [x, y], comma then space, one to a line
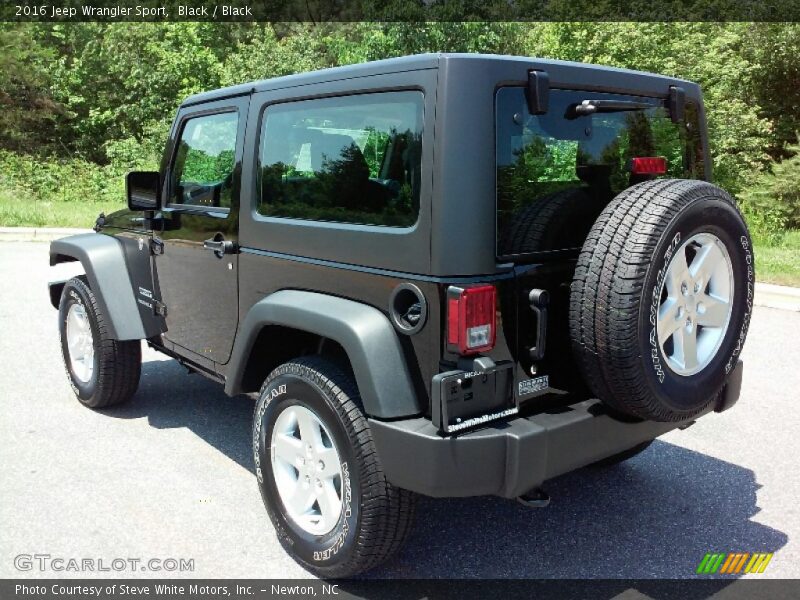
[301, 461]
[696, 287]
[319, 483]
[321, 465]
[684, 288]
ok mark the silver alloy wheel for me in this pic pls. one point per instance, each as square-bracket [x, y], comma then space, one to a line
[80, 343]
[696, 304]
[307, 470]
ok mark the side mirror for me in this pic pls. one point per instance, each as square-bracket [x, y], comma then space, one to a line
[144, 190]
[538, 92]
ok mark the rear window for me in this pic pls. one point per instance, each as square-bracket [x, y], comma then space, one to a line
[556, 172]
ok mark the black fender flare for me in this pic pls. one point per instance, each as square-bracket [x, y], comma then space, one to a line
[363, 331]
[103, 260]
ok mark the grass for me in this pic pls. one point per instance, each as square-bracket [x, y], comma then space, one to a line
[47, 192]
[778, 262]
[17, 209]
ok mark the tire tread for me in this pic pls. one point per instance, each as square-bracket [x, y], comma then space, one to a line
[387, 512]
[607, 291]
[119, 362]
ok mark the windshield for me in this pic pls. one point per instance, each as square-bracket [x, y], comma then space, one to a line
[556, 172]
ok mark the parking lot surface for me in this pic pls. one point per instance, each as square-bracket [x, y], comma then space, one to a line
[170, 475]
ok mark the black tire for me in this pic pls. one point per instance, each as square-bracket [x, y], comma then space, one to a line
[117, 364]
[622, 456]
[376, 517]
[615, 296]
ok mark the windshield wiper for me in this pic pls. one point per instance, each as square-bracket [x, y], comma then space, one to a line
[589, 107]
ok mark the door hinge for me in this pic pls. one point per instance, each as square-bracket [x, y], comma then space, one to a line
[159, 308]
[156, 247]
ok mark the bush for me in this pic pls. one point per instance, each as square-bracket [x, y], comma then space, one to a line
[47, 192]
[772, 203]
[54, 180]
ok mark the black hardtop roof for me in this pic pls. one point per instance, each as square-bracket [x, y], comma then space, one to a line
[561, 72]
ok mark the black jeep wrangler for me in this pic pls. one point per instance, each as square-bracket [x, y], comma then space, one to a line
[449, 275]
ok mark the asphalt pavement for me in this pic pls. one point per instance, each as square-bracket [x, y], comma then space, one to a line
[170, 475]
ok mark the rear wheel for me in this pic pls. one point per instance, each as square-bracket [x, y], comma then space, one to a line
[661, 299]
[319, 474]
[101, 370]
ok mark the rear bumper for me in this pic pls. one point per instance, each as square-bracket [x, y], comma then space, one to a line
[509, 458]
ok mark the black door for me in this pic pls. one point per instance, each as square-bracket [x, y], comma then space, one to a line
[197, 273]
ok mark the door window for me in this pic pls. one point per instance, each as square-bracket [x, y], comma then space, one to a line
[202, 174]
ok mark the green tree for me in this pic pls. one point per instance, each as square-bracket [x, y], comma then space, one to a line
[105, 93]
[712, 54]
[123, 81]
[271, 50]
[774, 80]
[28, 110]
[772, 203]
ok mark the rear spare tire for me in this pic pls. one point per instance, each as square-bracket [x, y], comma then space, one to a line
[557, 220]
[661, 299]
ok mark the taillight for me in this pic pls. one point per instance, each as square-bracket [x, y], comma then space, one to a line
[648, 165]
[471, 318]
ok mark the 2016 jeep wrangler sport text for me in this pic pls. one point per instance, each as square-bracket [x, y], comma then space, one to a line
[450, 275]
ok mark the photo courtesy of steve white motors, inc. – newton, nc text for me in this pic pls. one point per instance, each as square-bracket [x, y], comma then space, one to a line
[163, 589]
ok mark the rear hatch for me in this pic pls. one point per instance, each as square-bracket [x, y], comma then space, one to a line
[556, 172]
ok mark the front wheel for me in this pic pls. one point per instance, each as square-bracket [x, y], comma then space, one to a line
[102, 371]
[319, 474]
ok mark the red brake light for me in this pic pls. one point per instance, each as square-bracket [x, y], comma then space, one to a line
[471, 318]
[649, 165]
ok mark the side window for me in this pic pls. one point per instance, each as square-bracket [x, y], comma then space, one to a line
[351, 159]
[202, 172]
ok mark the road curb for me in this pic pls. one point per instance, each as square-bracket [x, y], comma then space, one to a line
[768, 295]
[37, 234]
[777, 296]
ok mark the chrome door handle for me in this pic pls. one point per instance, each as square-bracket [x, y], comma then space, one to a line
[220, 247]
